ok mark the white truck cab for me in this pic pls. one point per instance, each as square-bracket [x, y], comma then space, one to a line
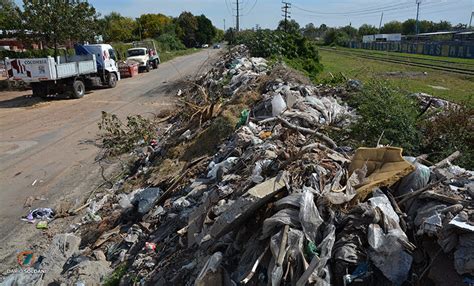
[105, 55]
[139, 56]
[144, 54]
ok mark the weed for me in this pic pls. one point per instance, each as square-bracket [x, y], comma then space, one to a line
[114, 278]
[117, 138]
[449, 131]
[386, 110]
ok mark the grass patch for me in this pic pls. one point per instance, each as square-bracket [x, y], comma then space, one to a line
[459, 61]
[114, 278]
[167, 56]
[459, 88]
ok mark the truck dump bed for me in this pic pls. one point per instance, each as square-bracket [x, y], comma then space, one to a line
[44, 69]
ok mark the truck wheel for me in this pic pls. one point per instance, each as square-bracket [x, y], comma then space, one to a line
[78, 89]
[112, 80]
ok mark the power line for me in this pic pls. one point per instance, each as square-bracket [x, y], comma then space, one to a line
[377, 10]
[228, 8]
[251, 9]
[392, 11]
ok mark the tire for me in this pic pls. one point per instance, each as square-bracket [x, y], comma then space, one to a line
[78, 89]
[112, 80]
[155, 64]
[147, 68]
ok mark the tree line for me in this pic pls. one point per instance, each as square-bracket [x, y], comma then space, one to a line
[342, 35]
[54, 23]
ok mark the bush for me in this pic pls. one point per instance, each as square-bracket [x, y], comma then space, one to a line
[169, 42]
[336, 37]
[385, 109]
[450, 131]
[118, 138]
[121, 49]
[296, 50]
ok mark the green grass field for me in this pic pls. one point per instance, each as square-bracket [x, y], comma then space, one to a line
[427, 58]
[450, 86]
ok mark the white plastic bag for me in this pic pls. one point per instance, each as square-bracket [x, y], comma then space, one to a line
[278, 105]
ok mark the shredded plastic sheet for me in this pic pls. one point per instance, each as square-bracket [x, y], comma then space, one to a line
[416, 180]
[309, 216]
[387, 252]
[283, 217]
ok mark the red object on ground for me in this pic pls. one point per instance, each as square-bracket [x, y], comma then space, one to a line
[130, 70]
[150, 246]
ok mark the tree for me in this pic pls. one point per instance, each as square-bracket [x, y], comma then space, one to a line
[9, 16]
[186, 29]
[409, 27]
[426, 26]
[119, 28]
[230, 36]
[335, 36]
[291, 26]
[366, 29]
[219, 36]
[392, 27]
[154, 25]
[55, 22]
[350, 31]
[443, 26]
[310, 31]
[205, 30]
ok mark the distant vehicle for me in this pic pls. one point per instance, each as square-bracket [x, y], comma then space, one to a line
[217, 46]
[144, 54]
[205, 46]
[92, 65]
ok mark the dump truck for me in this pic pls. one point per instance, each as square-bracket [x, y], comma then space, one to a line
[144, 53]
[92, 65]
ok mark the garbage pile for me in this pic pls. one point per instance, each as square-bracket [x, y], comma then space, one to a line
[280, 203]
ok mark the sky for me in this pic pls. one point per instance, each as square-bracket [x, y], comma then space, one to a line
[267, 13]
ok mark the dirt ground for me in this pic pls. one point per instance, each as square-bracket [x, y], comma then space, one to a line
[47, 148]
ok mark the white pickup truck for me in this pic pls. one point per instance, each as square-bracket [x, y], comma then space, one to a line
[144, 53]
[93, 65]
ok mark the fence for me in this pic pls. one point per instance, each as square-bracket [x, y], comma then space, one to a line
[445, 49]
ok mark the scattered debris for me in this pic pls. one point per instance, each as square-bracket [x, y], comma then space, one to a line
[279, 202]
[40, 213]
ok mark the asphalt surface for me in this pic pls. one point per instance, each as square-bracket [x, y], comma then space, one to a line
[46, 146]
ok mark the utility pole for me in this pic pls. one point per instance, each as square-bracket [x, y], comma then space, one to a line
[224, 25]
[417, 14]
[284, 9]
[380, 24]
[470, 21]
[237, 18]
[139, 28]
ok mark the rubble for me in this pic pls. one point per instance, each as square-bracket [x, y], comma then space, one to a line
[280, 202]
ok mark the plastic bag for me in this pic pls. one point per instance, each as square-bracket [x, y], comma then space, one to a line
[278, 105]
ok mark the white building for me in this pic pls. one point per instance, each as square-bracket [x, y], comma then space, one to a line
[382, 38]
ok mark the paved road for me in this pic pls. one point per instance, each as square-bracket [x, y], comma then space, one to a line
[45, 146]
